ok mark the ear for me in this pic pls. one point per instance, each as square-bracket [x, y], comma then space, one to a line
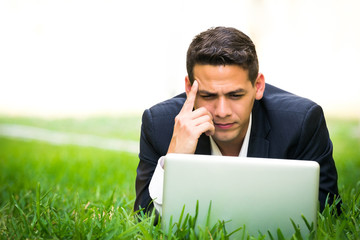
[260, 86]
[187, 85]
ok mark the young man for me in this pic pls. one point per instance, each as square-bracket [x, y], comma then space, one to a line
[229, 110]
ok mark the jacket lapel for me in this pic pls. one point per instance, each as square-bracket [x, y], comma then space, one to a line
[258, 143]
[203, 146]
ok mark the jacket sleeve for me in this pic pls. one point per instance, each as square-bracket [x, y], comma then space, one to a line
[148, 160]
[315, 144]
[156, 132]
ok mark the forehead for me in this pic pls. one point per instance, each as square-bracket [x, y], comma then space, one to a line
[211, 77]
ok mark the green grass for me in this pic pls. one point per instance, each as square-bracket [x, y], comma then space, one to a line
[71, 192]
[67, 187]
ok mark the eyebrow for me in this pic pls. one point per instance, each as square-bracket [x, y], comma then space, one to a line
[237, 91]
[206, 92]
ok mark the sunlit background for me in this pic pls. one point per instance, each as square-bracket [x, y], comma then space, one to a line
[81, 58]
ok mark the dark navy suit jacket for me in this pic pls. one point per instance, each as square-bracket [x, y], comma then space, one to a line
[284, 126]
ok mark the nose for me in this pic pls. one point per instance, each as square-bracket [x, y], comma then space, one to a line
[222, 108]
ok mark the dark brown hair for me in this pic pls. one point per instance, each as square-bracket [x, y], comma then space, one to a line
[223, 46]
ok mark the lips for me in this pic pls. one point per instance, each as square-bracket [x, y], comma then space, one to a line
[224, 125]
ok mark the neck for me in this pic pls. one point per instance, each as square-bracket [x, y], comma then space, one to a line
[232, 149]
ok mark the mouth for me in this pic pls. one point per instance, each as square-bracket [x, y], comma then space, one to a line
[223, 125]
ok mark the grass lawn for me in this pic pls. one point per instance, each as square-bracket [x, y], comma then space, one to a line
[69, 192]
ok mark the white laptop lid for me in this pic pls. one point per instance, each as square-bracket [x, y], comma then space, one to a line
[263, 194]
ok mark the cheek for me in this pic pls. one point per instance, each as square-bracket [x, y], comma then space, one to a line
[238, 108]
[242, 108]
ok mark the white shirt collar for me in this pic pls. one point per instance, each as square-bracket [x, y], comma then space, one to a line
[244, 148]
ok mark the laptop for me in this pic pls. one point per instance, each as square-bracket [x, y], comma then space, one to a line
[263, 195]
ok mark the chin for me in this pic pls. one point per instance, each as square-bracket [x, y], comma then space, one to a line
[223, 138]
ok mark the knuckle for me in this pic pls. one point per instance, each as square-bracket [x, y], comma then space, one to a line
[202, 109]
[208, 118]
[181, 121]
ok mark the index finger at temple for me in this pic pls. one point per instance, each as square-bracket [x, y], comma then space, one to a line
[190, 100]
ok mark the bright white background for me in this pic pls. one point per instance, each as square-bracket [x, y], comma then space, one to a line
[79, 58]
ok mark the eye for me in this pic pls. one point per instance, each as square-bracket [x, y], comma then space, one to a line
[208, 96]
[236, 95]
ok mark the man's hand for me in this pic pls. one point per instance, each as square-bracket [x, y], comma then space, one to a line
[189, 125]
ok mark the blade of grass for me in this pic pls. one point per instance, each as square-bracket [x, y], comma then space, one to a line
[22, 214]
[38, 206]
[297, 230]
[208, 215]
[280, 234]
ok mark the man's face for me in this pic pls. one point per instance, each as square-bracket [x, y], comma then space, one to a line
[227, 93]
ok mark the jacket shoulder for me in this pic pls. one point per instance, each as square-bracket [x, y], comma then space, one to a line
[287, 122]
[278, 100]
[170, 107]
